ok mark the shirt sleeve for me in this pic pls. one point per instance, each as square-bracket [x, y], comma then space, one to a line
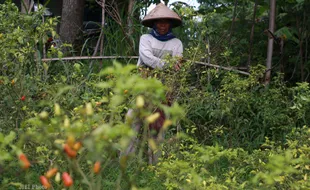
[146, 54]
[179, 50]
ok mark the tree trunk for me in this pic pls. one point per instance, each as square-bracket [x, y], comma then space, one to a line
[26, 5]
[306, 56]
[301, 48]
[272, 16]
[252, 36]
[129, 17]
[233, 22]
[71, 20]
[300, 36]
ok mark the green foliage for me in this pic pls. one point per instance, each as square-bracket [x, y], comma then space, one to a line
[99, 125]
[22, 37]
[205, 167]
[243, 111]
[235, 133]
[230, 41]
[301, 101]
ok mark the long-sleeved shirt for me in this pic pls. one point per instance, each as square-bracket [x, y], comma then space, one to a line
[152, 51]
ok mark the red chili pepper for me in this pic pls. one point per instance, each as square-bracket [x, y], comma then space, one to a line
[44, 181]
[77, 146]
[66, 178]
[49, 39]
[23, 158]
[71, 140]
[97, 166]
[50, 173]
[71, 153]
[23, 98]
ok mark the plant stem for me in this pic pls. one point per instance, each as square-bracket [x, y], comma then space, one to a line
[78, 168]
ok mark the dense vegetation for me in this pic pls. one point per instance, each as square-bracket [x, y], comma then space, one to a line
[225, 130]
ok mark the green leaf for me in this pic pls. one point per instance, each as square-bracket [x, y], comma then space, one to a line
[20, 40]
[116, 100]
[107, 71]
[63, 90]
[1, 137]
[103, 85]
[290, 34]
[17, 184]
[101, 129]
[307, 99]
[8, 139]
[104, 99]
[262, 10]
[5, 156]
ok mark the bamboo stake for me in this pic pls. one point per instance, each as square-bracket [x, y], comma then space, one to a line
[89, 58]
[98, 43]
[136, 57]
[102, 25]
[221, 67]
[94, 54]
[43, 40]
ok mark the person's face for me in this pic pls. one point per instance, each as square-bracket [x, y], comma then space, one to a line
[162, 26]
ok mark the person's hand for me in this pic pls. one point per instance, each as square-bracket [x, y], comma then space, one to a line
[177, 66]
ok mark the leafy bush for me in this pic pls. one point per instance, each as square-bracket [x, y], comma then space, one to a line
[21, 37]
[213, 167]
[243, 111]
[73, 140]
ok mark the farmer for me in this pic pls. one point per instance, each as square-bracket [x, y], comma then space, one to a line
[160, 41]
[153, 48]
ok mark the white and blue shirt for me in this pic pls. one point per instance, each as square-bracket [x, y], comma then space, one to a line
[152, 51]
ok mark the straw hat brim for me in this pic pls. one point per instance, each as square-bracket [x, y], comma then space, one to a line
[161, 11]
[150, 22]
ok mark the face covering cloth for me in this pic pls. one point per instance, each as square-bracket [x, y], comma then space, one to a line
[163, 38]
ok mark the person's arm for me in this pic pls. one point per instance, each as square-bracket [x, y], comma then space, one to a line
[146, 54]
[179, 50]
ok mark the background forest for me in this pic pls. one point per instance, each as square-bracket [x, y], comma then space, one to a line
[240, 116]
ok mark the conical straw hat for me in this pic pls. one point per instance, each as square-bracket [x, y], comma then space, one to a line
[161, 11]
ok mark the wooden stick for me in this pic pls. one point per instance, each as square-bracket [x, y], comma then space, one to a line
[89, 58]
[221, 67]
[136, 57]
